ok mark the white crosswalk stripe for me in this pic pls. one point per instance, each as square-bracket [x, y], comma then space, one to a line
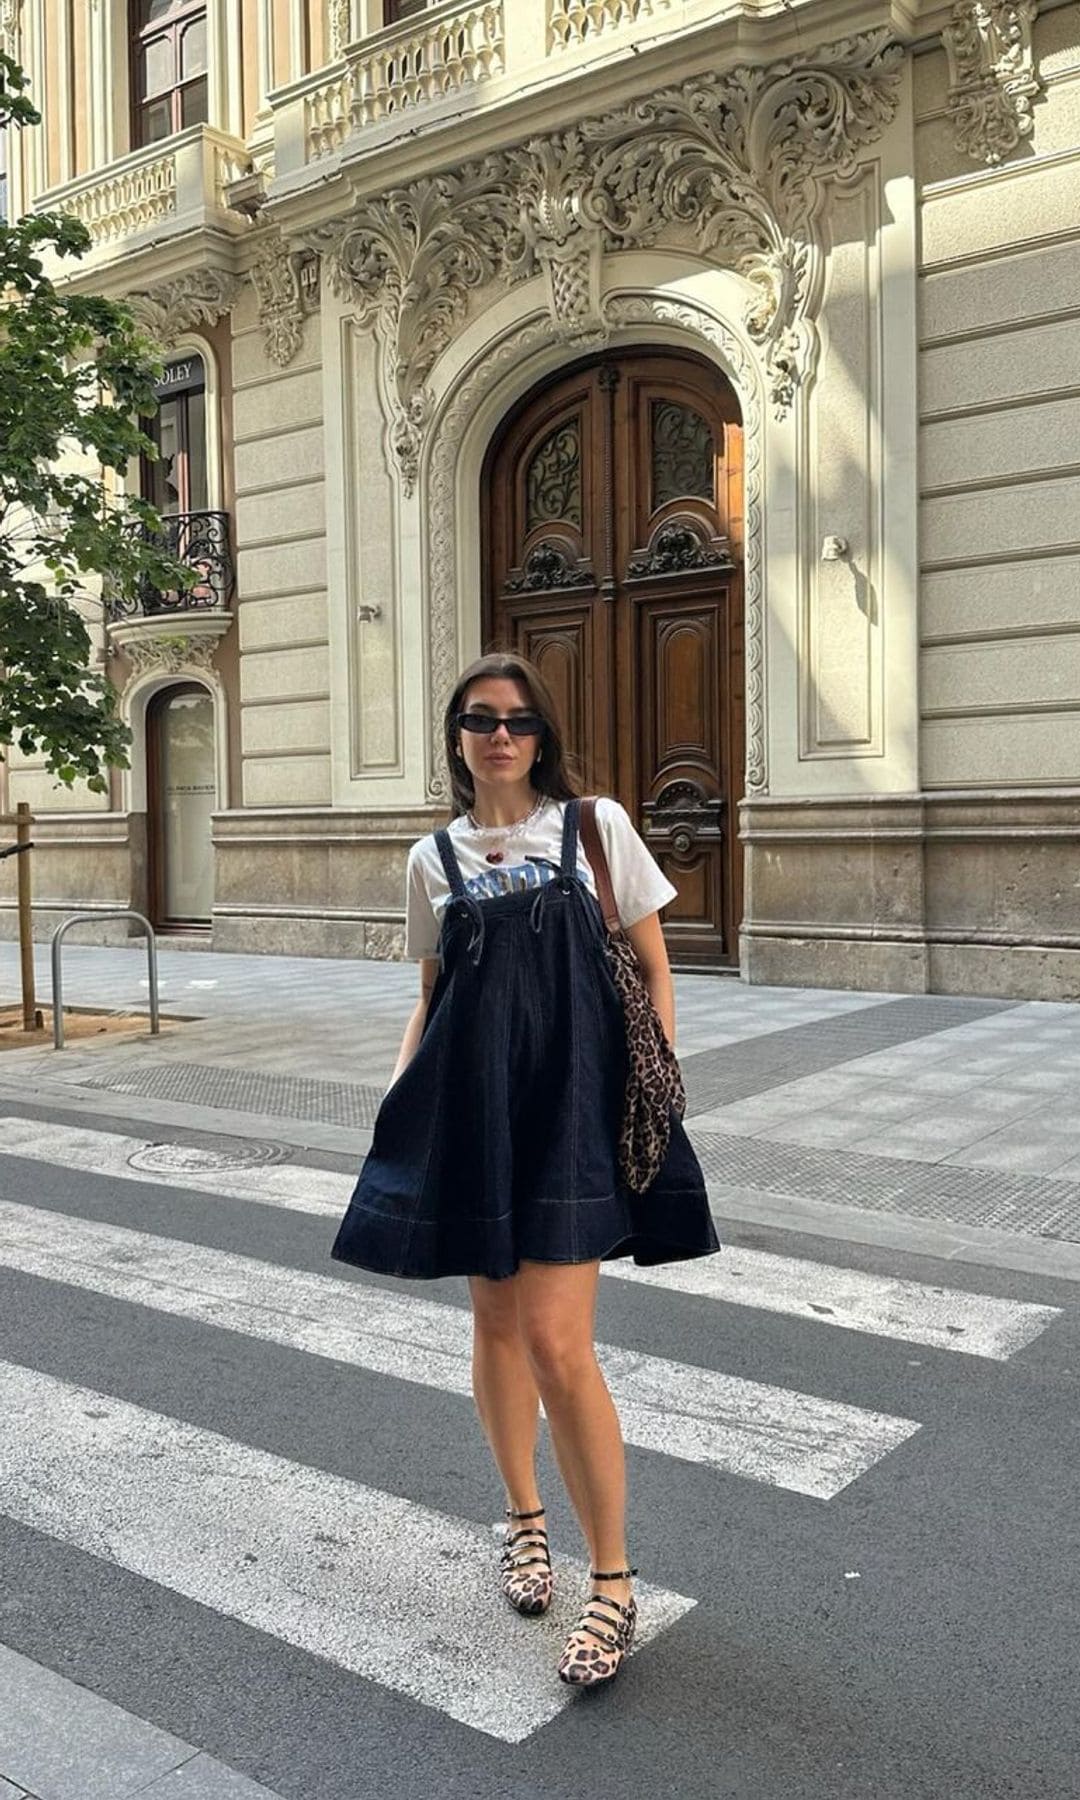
[327, 1565]
[913, 1312]
[909, 1311]
[790, 1440]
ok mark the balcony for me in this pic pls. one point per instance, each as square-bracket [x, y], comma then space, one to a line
[167, 201]
[151, 622]
[516, 58]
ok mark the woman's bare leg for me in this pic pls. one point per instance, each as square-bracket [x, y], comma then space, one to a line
[504, 1389]
[557, 1310]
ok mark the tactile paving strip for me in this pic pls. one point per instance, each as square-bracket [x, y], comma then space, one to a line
[249, 1091]
[737, 1071]
[1037, 1205]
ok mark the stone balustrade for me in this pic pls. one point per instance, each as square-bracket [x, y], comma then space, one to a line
[452, 56]
[163, 189]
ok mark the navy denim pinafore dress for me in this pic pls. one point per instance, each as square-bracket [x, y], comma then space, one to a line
[498, 1141]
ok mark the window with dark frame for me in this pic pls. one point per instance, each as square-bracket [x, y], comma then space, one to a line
[169, 68]
[176, 482]
[394, 11]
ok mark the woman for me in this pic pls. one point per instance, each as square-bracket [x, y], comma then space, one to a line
[494, 1152]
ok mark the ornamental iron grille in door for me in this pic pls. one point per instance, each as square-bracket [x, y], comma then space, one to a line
[613, 558]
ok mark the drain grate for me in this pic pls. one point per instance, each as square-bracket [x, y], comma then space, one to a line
[1037, 1205]
[738, 1071]
[249, 1091]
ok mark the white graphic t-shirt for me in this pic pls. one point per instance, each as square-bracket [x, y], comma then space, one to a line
[532, 856]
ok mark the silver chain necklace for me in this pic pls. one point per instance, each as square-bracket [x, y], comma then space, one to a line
[505, 832]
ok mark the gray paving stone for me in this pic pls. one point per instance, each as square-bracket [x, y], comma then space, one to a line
[61, 1742]
[204, 1779]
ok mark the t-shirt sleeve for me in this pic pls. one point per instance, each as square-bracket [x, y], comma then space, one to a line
[421, 925]
[640, 886]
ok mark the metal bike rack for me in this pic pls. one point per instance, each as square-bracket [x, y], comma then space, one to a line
[84, 918]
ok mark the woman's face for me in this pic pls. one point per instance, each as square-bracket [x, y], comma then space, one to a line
[497, 759]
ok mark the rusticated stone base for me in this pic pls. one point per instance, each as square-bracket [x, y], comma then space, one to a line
[81, 862]
[314, 882]
[824, 962]
[950, 893]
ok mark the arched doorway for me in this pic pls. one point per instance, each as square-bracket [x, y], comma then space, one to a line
[181, 797]
[613, 550]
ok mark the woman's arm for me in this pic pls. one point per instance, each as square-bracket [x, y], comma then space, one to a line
[414, 1030]
[648, 941]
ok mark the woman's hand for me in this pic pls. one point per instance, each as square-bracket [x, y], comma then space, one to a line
[651, 951]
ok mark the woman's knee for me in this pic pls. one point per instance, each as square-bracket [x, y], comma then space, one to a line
[560, 1361]
[495, 1306]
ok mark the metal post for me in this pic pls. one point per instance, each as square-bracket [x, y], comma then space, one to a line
[57, 970]
[31, 1016]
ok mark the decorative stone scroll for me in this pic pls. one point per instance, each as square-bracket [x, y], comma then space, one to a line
[170, 655]
[199, 297]
[729, 164]
[992, 76]
[287, 284]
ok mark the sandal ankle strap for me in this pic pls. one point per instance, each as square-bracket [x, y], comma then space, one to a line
[610, 1574]
[529, 1515]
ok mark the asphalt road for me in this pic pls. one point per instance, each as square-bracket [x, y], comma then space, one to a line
[912, 1636]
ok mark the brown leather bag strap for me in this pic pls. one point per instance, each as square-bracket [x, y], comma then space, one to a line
[592, 844]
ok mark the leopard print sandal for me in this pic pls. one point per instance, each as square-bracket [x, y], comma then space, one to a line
[526, 1578]
[581, 1665]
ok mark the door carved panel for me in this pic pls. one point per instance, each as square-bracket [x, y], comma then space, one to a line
[613, 559]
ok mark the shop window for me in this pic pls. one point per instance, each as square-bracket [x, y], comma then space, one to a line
[176, 482]
[169, 69]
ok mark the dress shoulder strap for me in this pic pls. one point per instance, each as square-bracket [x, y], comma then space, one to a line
[448, 857]
[568, 860]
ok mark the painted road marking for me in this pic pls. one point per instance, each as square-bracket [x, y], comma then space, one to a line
[912, 1312]
[324, 1564]
[768, 1434]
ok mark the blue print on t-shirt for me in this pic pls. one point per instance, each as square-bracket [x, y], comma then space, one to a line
[512, 880]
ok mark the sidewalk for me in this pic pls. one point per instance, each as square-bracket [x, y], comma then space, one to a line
[836, 1113]
[58, 1741]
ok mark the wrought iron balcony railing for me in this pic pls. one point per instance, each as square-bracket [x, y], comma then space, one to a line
[200, 539]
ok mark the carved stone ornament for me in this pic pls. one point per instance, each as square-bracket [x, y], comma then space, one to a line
[340, 26]
[730, 164]
[674, 546]
[169, 655]
[287, 284]
[200, 297]
[992, 78]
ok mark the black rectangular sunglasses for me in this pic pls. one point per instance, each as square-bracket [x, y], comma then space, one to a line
[518, 724]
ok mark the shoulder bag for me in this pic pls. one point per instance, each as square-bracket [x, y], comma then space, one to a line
[654, 1084]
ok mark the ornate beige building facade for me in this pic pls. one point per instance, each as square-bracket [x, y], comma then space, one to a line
[725, 356]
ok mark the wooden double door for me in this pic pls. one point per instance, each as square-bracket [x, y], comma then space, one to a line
[613, 523]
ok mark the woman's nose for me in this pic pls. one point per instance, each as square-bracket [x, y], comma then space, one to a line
[502, 732]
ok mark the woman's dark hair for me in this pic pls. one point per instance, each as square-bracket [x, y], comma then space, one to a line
[555, 773]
